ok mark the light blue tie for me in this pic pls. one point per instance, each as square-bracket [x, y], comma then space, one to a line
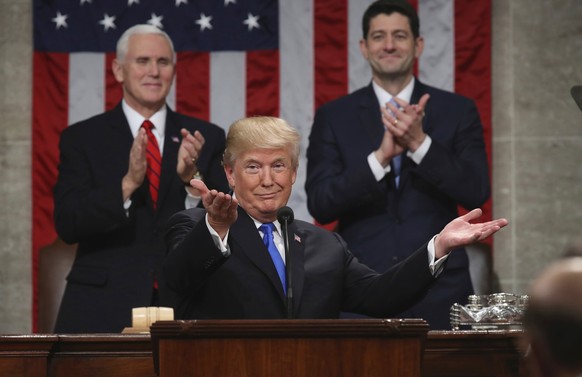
[267, 230]
[397, 160]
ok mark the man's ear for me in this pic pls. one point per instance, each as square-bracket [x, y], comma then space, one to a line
[419, 47]
[364, 48]
[229, 171]
[117, 69]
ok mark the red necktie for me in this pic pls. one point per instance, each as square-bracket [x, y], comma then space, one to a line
[154, 161]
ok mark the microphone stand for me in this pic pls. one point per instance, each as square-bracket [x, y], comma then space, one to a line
[288, 269]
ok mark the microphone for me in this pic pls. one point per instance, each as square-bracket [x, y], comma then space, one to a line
[576, 93]
[285, 217]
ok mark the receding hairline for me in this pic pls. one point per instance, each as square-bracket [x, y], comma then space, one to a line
[140, 29]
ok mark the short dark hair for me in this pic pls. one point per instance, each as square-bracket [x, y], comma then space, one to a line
[388, 7]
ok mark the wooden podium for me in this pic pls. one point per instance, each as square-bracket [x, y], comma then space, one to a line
[289, 348]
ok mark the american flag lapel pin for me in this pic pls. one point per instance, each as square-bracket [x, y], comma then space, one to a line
[297, 238]
[175, 139]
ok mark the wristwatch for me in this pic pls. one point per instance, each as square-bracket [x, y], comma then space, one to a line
[196, 175]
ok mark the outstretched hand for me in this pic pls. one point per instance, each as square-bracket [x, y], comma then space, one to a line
[221, 207]
[460, 232]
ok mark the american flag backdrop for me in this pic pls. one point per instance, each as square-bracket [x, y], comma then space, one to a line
[235, 58]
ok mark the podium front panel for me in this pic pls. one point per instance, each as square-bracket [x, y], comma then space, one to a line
[306, 348]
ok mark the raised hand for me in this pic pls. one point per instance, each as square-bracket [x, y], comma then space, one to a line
[220, 207]
[460, 232]
[405, 122]
[136, 170]
[190, 149]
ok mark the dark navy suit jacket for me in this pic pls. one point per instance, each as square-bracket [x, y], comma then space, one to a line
[118, 255]
[382, 223]
[202, 283]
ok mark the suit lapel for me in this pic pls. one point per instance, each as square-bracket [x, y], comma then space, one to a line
[297, 254]
[417, 92]
[245, 238]
[117, 134]
[172, 141]
[370, 116]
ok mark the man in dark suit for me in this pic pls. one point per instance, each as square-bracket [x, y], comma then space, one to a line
[218, 266]
[392, 161]
[105, 197]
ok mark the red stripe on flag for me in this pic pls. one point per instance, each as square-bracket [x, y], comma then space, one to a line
[113, 90]
[193, 84]
[49, 117]
[262, 88]
[473, 65]
[330, 54]
[330, 50]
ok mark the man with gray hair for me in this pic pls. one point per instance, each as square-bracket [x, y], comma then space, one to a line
[122, 174]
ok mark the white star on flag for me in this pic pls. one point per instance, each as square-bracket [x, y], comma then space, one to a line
[252, 22]
[60, 20]
[204, 22]
[108, 22]
[156, 21]
[85, 1]
[226, 2]
[178, 2]
[129, 2]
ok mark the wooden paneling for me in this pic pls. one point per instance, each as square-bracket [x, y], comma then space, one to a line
[116, 355]
[25, 355]
[473, 354]
[265, 348]
[290, 348]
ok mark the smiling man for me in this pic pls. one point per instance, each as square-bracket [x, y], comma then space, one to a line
[392, 161]
[121, 175]
[218, 265]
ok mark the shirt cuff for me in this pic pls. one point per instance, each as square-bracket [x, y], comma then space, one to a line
[191, 201]
[419, 154]
[221, 244]
[436, 266]
[377, 169]
[126, 206]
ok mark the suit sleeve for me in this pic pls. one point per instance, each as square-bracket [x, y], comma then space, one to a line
[192, 254]
[82, 208]
[334, 185]
[459, 170]
[390, 293]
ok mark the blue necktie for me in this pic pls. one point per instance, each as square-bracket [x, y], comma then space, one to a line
[267, 230]
[397, 160]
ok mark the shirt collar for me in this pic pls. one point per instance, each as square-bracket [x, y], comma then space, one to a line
[258, 224]
[135, 120]
[383, 96]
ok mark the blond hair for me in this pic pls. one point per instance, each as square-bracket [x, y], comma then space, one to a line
[261, 132]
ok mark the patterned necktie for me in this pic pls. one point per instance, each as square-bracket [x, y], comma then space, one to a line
[397, 160]
[154, 161]
[267, 230]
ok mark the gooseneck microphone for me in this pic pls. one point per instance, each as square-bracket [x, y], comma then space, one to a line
[285, 217]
